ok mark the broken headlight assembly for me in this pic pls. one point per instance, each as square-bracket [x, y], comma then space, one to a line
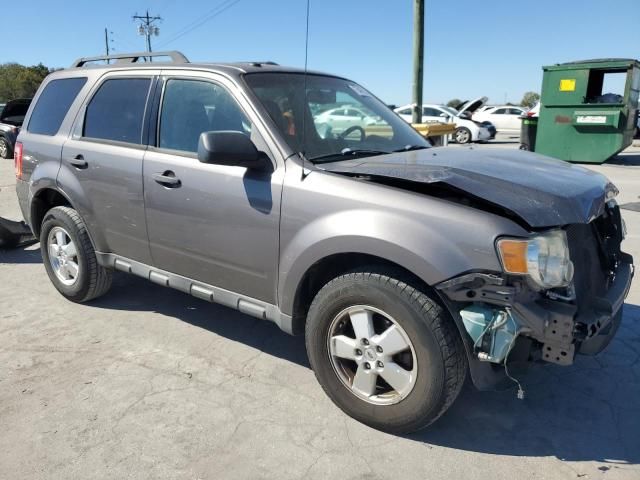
[544, 258]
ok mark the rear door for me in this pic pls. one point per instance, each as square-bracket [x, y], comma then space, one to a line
[499, 118]
[216, 224]
[102, 163]
[45, 132]
[512, 118]
[433, 115]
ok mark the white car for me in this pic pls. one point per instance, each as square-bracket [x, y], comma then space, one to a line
[504, 117]
[466, 129]
[534, 111]
[338, 120]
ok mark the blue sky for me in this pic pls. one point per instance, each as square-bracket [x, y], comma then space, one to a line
[472, 48]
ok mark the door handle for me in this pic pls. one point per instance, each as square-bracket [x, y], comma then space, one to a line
[79, 162]
[167, 179]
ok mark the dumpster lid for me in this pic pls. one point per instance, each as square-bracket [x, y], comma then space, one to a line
[472, 105]
[595, 63]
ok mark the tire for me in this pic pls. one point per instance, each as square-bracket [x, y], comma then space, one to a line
[91, 280]
[440, 362]
[462, 135]
[5, 148]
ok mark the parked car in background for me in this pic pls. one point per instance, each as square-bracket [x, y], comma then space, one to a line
[340, 119]
[11, 118]
[467, 130]
[504, 117]
[533, 111]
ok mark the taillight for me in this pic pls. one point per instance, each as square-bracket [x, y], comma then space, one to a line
[17, 159]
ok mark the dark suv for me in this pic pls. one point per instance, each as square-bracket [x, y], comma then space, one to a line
[11, 118]
[242, 184]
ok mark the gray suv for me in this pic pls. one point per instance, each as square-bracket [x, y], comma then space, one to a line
[249, 185]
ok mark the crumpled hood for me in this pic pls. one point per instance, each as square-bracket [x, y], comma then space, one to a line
[542, 191]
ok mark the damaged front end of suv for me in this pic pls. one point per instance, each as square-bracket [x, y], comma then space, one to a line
[561, 288]
[561, 293]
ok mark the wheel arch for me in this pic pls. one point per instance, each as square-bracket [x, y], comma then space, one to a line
[331, 266]
[44, 200]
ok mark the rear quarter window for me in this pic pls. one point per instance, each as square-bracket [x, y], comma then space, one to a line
[53, 104]
[117, 109]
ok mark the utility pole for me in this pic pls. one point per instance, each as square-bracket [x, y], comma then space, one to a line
[418, 58]
[147, 27]
[106, 41]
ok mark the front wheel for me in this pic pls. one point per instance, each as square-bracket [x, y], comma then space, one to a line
[462, 135]
[385, 352]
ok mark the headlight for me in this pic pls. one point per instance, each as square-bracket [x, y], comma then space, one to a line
[544, 258]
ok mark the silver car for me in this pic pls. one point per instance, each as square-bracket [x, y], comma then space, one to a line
[405, 267]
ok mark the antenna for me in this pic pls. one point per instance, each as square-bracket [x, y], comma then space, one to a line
[304, 104]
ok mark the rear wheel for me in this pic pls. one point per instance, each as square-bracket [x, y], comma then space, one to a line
[385, 352]
[69, 257]
[5, 148]
[462, 135]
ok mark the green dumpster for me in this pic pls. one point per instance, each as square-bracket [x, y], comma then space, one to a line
[588, 109]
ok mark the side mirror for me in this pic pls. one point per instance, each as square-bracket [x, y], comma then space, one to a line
[230, 148]
[444, 115]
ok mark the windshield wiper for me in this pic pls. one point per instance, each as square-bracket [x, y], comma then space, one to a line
[347, 152]
[408, 148]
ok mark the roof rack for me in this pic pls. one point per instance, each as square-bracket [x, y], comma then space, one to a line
[259, 64]
[176, 57]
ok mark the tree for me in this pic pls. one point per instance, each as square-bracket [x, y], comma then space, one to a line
[529, 99]
[18, 81]
[454, 102]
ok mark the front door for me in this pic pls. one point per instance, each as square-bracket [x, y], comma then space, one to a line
[213, 223]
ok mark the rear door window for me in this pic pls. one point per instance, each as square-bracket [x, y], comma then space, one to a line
[53, 104]
[117, 109]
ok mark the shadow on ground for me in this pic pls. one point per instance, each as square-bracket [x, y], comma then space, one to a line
[632, 160]
[21, 255]
[587, 412]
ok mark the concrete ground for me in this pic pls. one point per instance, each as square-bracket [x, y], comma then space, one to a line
[150, 383]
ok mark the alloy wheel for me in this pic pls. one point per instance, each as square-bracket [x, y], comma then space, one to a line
[63, 255]
[372, 355]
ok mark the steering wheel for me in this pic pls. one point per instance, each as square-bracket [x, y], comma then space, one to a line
[352, 129]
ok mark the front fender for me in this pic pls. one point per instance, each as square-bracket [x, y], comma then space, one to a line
[425, 251]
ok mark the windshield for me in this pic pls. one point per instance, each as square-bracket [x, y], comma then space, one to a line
[340, 117]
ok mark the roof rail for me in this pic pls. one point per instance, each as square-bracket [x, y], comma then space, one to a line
[176, 57]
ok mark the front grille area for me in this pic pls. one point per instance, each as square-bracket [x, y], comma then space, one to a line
[595, 252]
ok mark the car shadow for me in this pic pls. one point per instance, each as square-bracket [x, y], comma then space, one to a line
[587, 412]
[27, 253]
[137, 294]
[632, 160]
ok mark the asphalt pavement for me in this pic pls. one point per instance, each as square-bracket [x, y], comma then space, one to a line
[147, 382]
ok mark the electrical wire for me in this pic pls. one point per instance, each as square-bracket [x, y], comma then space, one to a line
[219, 9]
[520, 393]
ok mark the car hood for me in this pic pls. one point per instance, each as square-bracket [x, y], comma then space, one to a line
[472, 105]
[542, 191]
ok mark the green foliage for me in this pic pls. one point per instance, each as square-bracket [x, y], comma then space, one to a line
[454, 102]
[18, 81]
[529, 99]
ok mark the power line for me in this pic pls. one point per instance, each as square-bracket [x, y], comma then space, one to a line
[224, 6]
